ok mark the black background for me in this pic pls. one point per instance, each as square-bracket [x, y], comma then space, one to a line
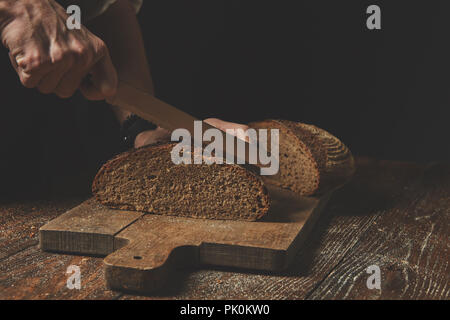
[385, 93]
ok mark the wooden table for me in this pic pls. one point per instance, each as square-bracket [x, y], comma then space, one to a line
[394, 215]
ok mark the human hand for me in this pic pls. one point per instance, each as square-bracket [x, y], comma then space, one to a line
[48, 56]
[151, 136]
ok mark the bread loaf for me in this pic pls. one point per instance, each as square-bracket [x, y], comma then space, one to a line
[312, 161]
[147, 180]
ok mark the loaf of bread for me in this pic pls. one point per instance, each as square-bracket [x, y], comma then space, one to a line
[312, 161]
[147, 180]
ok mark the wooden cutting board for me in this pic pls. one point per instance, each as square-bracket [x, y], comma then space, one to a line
[143, 249]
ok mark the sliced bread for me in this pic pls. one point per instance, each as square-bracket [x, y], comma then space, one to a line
[312, 161]
[147, 180]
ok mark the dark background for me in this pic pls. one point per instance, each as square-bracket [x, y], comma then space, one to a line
[385, 93]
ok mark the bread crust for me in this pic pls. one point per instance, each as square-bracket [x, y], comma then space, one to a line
[334, 163]
[101, 179]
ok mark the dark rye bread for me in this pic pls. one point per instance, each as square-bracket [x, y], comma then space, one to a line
[147, 180]
[312, 161]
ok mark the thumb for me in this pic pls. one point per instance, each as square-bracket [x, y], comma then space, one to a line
[102, 83]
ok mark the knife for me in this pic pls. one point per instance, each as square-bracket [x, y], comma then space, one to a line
[169, 117]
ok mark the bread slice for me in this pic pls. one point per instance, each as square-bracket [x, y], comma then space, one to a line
[147, 180]
[312, 161]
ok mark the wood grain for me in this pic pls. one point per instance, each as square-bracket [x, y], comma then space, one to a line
[409, 242]
[20, 222]
[89, 228]
[33, 274]
[151, 246]
[399, 207]
[28, 273]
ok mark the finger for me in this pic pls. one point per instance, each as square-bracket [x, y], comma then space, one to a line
[30, 71]
[162, 134]
[69, 84]
[49, 83]
[151, 136]
[33, 66]
[27, 79]
[13, 62]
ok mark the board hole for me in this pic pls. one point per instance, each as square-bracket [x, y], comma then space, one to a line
[137, 257]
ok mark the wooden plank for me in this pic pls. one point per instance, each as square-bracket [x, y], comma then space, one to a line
[88, 229]
[33, 274]
[20, 222]
[155, 244]
[158, 244]
[28, 273]
[408, 242]
[330, 240]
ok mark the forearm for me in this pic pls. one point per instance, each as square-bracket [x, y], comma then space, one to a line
[120, 30]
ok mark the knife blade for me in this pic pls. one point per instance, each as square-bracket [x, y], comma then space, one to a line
[171, 118]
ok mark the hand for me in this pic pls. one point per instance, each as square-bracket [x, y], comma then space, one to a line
[151, 136]
[160, 134]
[46, 55]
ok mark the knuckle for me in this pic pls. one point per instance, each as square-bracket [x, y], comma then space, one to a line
[65, 93]
[29, 64]
[34, 63]
[61, 56]
[57, 55]
[81, 52]
[83, 55]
